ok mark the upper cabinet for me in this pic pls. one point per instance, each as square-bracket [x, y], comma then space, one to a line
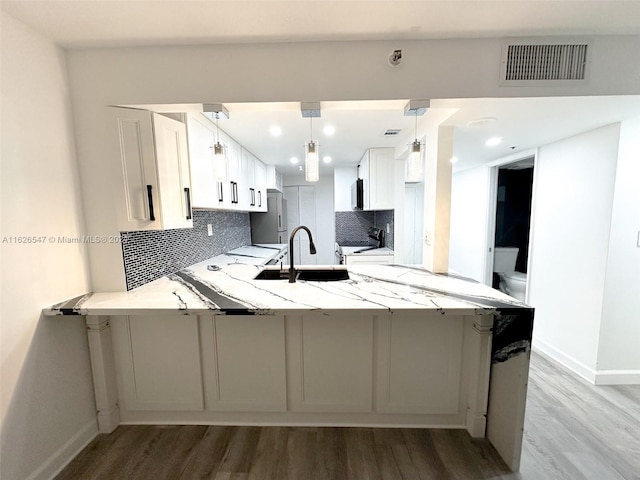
[241, 188]
[156, 181]
[274, 179]
[376, 171]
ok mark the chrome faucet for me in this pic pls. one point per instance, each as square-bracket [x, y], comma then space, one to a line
[312, 251]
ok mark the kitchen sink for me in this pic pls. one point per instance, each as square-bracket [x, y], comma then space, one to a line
[268, 274]
[322, 275]
[314, 275]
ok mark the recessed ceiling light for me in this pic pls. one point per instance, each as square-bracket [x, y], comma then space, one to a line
[493, 141]
[454, 160]
[329, 129]
[326, 159]
[275, 130]
[294, 160]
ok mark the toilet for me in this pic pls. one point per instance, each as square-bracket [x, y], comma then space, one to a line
[504, 264]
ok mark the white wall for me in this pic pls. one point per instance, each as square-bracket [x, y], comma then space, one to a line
[470, 190]
[573, 191]
[47, 406]
[325, 235]
[620, 329]
[307, 71]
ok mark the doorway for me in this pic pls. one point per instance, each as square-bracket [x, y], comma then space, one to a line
[512, 215]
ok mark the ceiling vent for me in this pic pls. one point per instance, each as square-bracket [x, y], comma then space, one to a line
[544, 63]
[392, 132]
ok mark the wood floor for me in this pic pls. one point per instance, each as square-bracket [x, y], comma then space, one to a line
[573, 431]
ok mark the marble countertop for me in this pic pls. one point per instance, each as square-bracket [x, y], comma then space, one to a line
[226, 284]
[375, 251]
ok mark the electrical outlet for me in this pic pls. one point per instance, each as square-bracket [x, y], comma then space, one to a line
[209, 229]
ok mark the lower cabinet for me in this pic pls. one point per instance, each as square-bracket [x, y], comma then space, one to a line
[330, 363]
[410, 368]
[243, 358]
[158, 362]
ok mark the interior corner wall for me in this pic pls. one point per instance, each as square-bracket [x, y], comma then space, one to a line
[469, 209]
[574, 192]
[47, 406]
[619, 355]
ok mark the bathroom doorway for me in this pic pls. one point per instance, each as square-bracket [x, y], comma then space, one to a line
[513, 201]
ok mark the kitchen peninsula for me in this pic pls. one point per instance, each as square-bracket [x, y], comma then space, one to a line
[390, 346]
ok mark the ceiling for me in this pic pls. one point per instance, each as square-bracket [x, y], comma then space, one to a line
[100, 23]
[522, 123]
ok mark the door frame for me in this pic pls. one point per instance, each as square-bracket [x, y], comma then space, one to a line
[490, 233]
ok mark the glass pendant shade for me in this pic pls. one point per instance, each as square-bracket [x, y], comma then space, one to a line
[312, 162]
[219, 162]
[414, 163]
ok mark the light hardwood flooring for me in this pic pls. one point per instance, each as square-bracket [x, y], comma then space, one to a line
[573, 431]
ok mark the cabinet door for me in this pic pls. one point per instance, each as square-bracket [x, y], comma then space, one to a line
[174, 178]
[232, 185]
[261, 187]
[244, 363]
[158, 362]
[136, 196]
[330, 363]
[381, 179]
[363, 173]
[201, 140]
[419, 364]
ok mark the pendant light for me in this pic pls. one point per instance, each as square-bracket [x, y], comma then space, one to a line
[219, 150]
[311, 151]
[219, 157]
[311, 159]
[415, 162]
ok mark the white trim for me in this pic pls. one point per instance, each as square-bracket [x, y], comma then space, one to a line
[595, 377]
[618, 377]
[565, 360]
[53, 465]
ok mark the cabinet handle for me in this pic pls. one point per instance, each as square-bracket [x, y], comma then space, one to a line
[259, 198]
[152, 217]
[279, 221]
[187, 194]
[220, 192]
[252, 194]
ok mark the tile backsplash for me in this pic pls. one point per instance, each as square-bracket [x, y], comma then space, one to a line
[149, 255]
[352, 226]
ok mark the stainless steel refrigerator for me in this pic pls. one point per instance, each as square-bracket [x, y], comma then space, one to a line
[270, 226]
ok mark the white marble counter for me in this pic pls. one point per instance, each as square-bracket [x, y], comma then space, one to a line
[226, 284]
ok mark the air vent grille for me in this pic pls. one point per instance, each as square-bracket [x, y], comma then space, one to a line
[391, 132]
[546, 62]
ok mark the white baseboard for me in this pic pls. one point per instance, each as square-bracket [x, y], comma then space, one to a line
[594, 377]
[618, 377]
[56, 462]
[565, 360]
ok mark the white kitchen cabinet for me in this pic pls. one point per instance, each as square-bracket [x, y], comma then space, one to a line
[364, 259]
[243, 358]
[274, 179]
[158, 362]
[376, 169]
[330, 372]
[155, 191]
[415, 353]
[206, 187]
[261, 187]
